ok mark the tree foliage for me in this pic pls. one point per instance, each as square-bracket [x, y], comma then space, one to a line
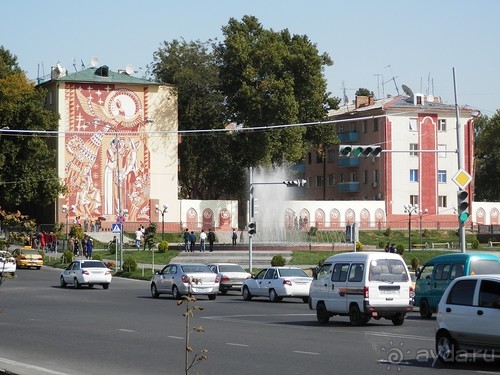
[29, 180]
[363, 92]
[487, 155]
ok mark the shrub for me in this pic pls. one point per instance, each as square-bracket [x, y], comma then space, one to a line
[381, 245]
[425, 233]
[414, 264]
[97, 256]
[129, 264]
[475, 244]
[67, 257]
[278, 260]
[400, 249]
[163, 247]
[359, 246]
[388, 232]
[313, 231]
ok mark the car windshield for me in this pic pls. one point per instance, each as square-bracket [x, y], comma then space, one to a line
[93, 265]
[230, 268]
[195, 268]
[484, 267]
[389, 270]
[284, 272]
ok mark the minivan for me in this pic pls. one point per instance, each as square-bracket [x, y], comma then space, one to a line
[437, 273]
[362, 285]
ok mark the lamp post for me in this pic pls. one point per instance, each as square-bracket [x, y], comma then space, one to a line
[420, 214]
[410, 209]
[65, 210]
[162, 210]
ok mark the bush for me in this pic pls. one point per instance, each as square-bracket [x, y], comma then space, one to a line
[313, 231]
[425, 233]
[414, 264]
[277, 261]
[381, 245]
[359, 246]
[400, 249]
[475, 244]
[97, 256]
[388, 232]
[129, 264]
[163, 247]
[67, 257]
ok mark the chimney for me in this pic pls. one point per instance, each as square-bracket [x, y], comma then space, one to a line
[363, 101]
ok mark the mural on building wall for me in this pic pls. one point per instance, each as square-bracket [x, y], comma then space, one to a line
[107, 160]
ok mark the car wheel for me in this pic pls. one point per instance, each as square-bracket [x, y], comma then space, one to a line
[76, 283]
[223, 292]
[322, 313]
[445, 347]
[175, 292]
[154, 291]
[425, 309]
[38, 267]
[273, 296]
[211, 297]
[63, 283]
[355, 316]
[91, 286]
[105, 286]
[247, 296]
[398, 319]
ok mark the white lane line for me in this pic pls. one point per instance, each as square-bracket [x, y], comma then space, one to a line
[235, 344]
[176, 337]
[31, 367]
[301, 352]
[400, 336]
[126, 330]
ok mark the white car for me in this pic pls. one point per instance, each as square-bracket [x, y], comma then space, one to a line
[231, 276]
[277, 283]
[86, 272]
[185, 279]
[7, 263]
[468, 318]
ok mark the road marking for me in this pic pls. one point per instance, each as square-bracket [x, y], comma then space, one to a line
[176, 337]
[126, 330]
[234, 344]
[399, 336]
[301, 352]
[37, 368]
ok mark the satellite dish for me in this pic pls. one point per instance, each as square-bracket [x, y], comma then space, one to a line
[430, 98]
[407, 90]
[94, 61]
[129, 69]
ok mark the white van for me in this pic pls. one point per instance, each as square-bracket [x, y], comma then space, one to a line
[362, 285]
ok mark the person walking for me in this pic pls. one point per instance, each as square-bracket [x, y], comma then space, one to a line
[138, 238]
[234, 236]
[90, 247]
[186, 238]
[192, 241]
[211, 240]
[203, 238]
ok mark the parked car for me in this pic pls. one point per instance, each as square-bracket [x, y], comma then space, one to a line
[438, 273]
[86, 272]
[185, 279]
[7, 263]
[468, 318]
[277, 283]
[28, 257]
[231, 276]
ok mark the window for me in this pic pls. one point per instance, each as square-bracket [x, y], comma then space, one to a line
[331, 179]
[442, 176]
[365, 177]
[426, 272]
[331, 156]
[462, 293]
[375, 175]
[319, 158]
[442, 271]
[457, 270]
[412, 124]
[413, 175]
[356, 272]
[413, 146]
[413, 199]
[365, 126]
[375, 124]
[319, 181]
[341, 177]
[340, 272]
[309, 158]
[442, 201]
[489, 294]
[441, 148]
[354, 177]
[442, 125]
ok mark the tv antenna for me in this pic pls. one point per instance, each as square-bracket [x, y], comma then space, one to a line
[344, 89]
[378, 75]
[392, 79]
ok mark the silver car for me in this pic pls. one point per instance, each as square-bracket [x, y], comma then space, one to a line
[185, 279]
[231, 276]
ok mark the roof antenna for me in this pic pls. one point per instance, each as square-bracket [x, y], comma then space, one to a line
[393, 79]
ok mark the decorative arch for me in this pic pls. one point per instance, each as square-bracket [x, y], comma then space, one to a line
[335, 218]
[494, 216]
[480, 216]
[319, 218]
[192, 218]
[291, 220]
[208, 219]
[379, 217]
[225, 219]
[365, 218]
[350, 216]
[304, 219]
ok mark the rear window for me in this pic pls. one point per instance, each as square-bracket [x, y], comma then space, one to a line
[196, 268]
[484, 267]
[293, 272]
[388, 270]
[29, 252]
[93, 265]
[230, 268]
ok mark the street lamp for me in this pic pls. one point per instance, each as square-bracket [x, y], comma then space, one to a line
[162, 210]
[410, 209]
[65, 210]
[420, 214]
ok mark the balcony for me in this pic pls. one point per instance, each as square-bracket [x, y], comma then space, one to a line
[348, 187]
[348, 137]
[348, 162]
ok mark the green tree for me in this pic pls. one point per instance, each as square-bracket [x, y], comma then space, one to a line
[29, 180]
[487, 155]
[363, 92]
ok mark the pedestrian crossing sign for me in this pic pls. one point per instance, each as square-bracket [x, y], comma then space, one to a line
[116, 228]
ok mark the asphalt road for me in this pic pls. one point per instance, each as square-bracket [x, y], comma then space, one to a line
[46, 329]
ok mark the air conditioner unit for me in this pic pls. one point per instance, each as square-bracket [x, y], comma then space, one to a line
[374, 184]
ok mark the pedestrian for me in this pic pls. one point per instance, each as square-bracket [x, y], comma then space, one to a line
[76, 246]
[54, 242]
[90, 246]
[234, 236]
[97, 225]
[192, 241]
[203, 238]
[392, 249]
[387, 247]
[143, 230]
[42, 241]
[92, 225]
[242, 240]
[84, 246]
[138, 238]
[86, 225]
[186, 236]
[211, 240]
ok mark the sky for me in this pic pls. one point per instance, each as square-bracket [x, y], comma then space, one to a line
[379, 45]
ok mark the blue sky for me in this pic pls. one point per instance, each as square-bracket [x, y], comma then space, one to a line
[370, 42]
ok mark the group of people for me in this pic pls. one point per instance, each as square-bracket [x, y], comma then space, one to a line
[93, 225]
[84, 247]
[139, 237]
[190, 240]
[44, 241]
[390, 248]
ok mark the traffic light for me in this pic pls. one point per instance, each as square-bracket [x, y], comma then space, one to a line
[252, 228]
[295, 183]
[463, 205]
[358, 151]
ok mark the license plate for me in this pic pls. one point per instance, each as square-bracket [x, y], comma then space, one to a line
[389, 291]
[201, 290]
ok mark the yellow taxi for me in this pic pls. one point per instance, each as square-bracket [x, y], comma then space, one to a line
[28, 257]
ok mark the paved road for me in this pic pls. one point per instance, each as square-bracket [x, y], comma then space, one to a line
[49, 330]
